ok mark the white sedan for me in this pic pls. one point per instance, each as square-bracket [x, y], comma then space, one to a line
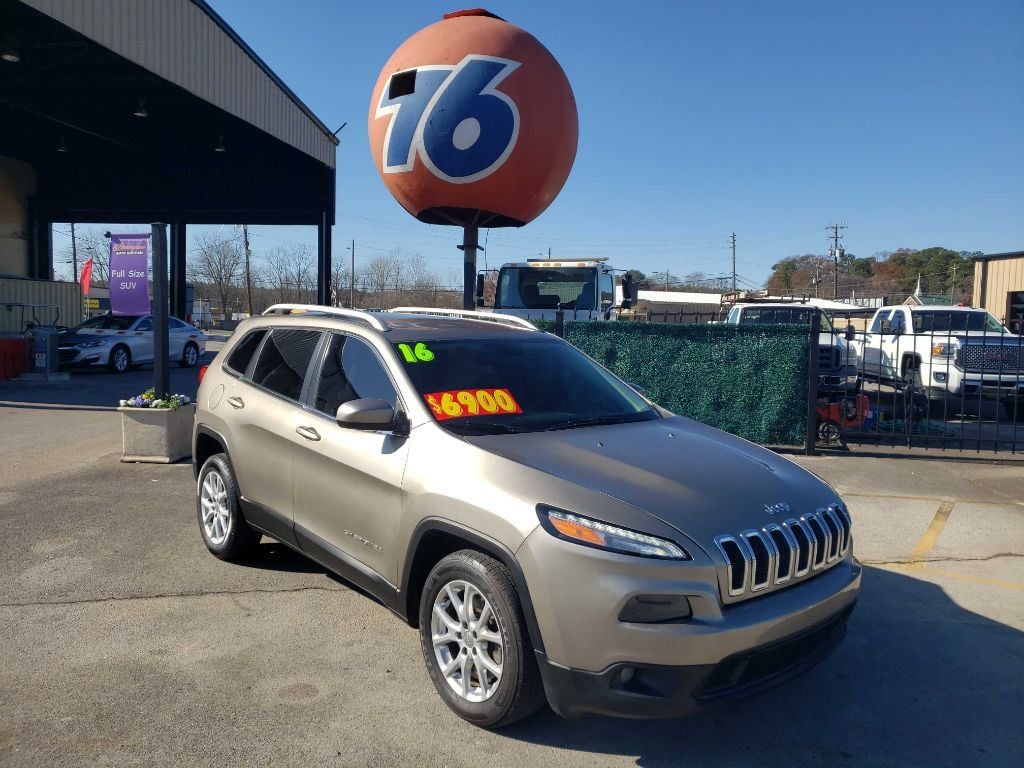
[121, 341]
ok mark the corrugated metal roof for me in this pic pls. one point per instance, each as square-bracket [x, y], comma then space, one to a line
[186, 43]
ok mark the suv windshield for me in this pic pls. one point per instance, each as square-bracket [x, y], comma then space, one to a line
[481, 386]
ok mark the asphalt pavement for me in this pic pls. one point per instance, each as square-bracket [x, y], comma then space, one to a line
[125, 643]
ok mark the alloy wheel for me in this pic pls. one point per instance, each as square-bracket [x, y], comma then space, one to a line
[467, 641]
[216, 510]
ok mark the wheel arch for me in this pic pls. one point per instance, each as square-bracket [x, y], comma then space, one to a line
[207, 442]
[436, 538]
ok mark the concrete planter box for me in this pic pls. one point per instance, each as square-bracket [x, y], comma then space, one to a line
[157, 435]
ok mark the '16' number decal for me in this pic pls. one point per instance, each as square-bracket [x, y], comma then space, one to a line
[461, 126]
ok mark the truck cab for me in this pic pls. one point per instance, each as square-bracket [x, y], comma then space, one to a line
[947, 352]
[838, 359]
[584, 290]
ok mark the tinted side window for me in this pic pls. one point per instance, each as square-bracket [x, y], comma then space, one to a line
[351, 371]
[284, 361]
[876, 326]
[145, 324]
[240, 356]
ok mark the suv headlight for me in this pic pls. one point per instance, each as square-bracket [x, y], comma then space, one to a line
[594, 533]
[944, 350]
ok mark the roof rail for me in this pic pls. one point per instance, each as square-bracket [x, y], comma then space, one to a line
[316, 309]
[468, 314]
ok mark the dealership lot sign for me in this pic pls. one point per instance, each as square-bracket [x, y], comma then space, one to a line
[129, 274]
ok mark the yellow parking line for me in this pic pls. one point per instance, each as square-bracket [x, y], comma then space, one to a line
[931, 536]
[976, 579]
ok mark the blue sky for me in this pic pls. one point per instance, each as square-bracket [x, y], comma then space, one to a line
[698, 119]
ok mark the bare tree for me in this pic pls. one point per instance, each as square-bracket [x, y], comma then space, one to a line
[91, 244]
[289, 273]
[217, 260]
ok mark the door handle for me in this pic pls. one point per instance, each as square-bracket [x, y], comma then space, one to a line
[308, 432]
[236, 402]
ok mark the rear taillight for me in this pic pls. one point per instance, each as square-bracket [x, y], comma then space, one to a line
[202, 372]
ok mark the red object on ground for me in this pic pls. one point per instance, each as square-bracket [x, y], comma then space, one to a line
[848, 413]
[13, 357]
[473, 122]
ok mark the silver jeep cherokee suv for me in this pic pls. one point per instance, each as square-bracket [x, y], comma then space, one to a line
[551, 533]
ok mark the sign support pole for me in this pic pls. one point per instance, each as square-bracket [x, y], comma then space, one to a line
[161, 370]
[470, 243]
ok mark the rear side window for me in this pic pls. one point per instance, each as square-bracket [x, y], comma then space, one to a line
[240, 356]
[284, 361]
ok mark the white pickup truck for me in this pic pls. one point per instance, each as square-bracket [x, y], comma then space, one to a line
[947, 352]
[838, 361]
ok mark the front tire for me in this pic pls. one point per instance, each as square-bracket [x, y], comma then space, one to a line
[120, 359]
[475, 643]
[225, 532]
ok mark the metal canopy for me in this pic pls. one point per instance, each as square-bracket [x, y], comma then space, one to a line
[70, 93]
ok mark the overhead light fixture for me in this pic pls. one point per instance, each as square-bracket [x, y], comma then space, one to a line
[220, 145]
[10, 55]
[62, 146]
[140, 109]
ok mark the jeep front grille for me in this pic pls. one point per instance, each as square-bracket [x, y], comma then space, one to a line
[786, 551]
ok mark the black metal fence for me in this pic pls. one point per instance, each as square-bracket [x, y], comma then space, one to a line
[935, 377]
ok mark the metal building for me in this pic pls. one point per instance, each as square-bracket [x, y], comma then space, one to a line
[999, 287]
[138, 111]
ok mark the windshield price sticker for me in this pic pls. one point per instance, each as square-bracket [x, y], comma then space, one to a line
[460, 403]
[416, 354]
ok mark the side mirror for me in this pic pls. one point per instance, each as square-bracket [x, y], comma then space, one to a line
[851, 333]
[629, 292]
[637, 388]
[479, 289]
[368, 413]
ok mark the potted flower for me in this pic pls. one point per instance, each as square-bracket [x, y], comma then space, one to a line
[157, 430]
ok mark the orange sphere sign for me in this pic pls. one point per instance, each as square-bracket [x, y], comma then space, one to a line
[473, 123]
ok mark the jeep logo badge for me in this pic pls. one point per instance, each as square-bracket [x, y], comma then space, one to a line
[782, 508]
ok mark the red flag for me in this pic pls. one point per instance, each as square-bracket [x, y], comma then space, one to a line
[86, 277]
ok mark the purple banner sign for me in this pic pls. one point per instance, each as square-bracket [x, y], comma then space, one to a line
[129, 274]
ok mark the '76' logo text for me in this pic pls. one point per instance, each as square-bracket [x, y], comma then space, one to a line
[453, 117]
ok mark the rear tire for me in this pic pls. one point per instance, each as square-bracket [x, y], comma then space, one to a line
[223, 527]
[189, 356]
[471, 622]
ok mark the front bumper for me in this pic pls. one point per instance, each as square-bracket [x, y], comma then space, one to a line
[952, 382]
[74, 357]
[650, 691]
[578, 594]
[839, 381]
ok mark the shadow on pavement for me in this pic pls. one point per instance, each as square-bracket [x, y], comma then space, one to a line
[274, 556]
[917, 681]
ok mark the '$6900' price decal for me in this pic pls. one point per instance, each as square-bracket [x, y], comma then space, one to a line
[457, 403]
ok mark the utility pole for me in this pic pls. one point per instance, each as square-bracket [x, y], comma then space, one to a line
[836, 253]
[248, 271]
[952, 286]
[733, 236]
[817, 276]
[74, 255]
[352, 280]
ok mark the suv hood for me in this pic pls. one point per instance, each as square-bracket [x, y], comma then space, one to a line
[698, 480]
